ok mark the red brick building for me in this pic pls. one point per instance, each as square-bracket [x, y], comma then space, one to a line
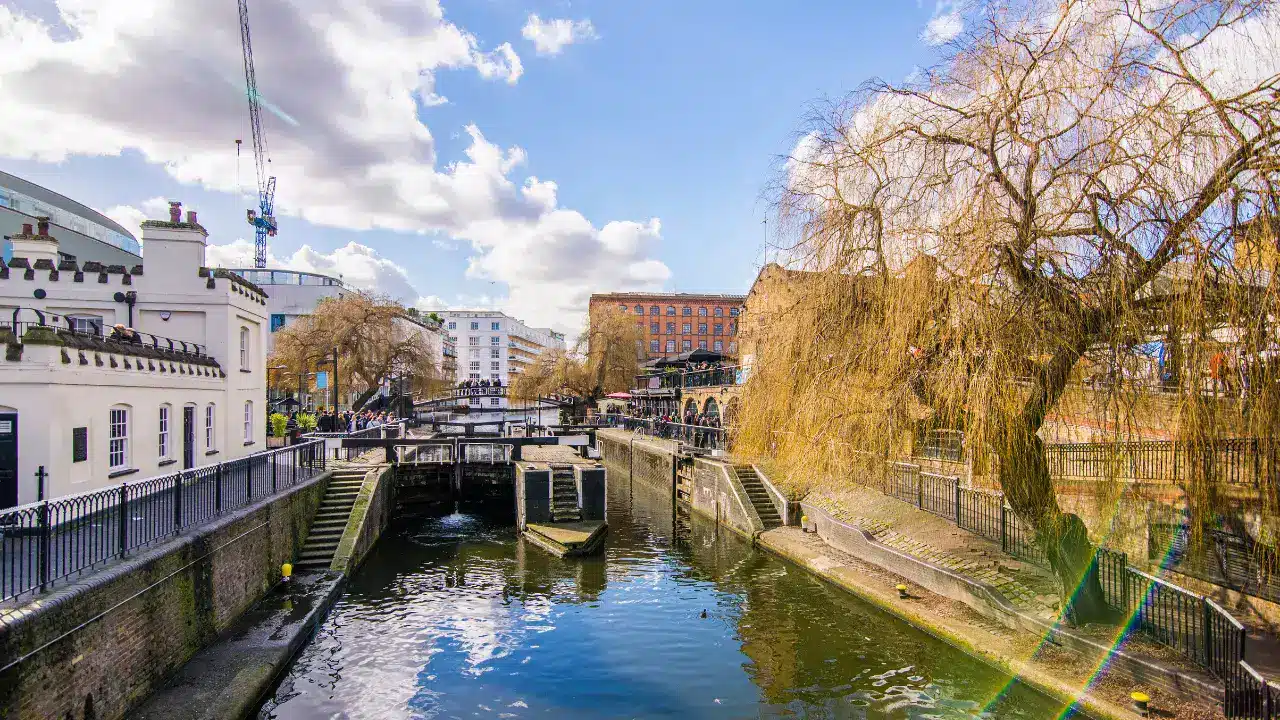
[673, 323]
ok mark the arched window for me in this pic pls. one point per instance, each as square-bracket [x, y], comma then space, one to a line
[244, 348]
[686, 312]
[118, 438]
[210, 435]
[702, 312]
[671, 310]
[248, 422]
[166, 445]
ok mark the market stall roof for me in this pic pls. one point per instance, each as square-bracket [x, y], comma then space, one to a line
[696, 356]
[619, 396]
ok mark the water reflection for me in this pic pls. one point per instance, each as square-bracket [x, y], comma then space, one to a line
[455, 617]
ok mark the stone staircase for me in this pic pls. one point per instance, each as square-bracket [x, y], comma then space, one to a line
[331, 518]
[759, 496]
[564, 495]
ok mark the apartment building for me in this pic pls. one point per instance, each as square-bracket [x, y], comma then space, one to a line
[674, 323]
[494, 346]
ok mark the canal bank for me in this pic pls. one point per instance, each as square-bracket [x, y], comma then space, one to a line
[1089, 668]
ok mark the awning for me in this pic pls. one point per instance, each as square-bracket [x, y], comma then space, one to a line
[619, 396]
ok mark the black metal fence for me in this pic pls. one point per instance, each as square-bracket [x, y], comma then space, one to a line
[978, 511]
[1226, 557]
[701, 436]
[52, 540]
[1241, 461]
[1196, 627]
[333, 440]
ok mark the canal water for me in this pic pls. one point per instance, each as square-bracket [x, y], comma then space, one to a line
[455, 617]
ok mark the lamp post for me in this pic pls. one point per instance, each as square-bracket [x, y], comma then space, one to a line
[335, 380]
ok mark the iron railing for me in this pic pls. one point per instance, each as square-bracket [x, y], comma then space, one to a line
[708, 377]
[52, 540]
[701, 436]
[333, 440]
[178, 349]
[978, 511]
[1238, 461]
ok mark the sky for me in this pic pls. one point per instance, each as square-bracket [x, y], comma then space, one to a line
[508, 154]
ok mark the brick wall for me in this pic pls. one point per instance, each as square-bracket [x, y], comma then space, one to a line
[653, 464]
[96, 648]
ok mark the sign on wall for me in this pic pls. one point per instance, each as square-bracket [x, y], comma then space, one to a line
[322, 380]
[79, 444]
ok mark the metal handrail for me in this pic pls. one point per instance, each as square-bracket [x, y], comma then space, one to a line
[64, 324]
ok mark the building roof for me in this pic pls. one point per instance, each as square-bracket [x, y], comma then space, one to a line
[62, 202]
[666, 296]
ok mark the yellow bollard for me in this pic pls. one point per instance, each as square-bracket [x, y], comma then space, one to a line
[285, 571]
[1140, 700]
[902, 592]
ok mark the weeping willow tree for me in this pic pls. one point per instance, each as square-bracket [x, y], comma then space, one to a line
[1070, 183]
[605, 358]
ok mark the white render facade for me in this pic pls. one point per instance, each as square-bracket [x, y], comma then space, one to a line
[492, 345]
[95, 410]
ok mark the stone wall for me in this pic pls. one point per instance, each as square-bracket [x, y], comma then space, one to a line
[98, 647]
[718, 495]
[653, 463]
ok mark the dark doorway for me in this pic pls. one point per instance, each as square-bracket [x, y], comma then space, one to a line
[188, 437]
[8, 460]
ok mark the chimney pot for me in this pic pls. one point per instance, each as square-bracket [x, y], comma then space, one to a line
[26, 228]
[42, 225]
[175, 211]
[191, 217]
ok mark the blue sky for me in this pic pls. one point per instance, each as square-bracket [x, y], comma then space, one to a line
[660, 125]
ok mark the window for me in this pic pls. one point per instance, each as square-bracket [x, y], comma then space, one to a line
[702, 312]
[475, 326]
[719, 312]
[473, 340]
[118, 439]
[495, 352]
[671, 328]
[164, 432]
[702, 344]
[640, 326]
[719, 346]
[653, 328]
[248, 422]
[475, 402]
[453, 325]
[733, 347]
[621, 308]
[495, 402]
[702, 328]
[653, 346]
[639, 309]
[671, 346]
[733, 312]
[686, 345]
[475, 365]
[495, 365]
[498, 326]
[244, 348]
[474, 376]
[719, 329]
[686, 311]
[653, 310]
[89, 324]
[671, 310]
[473, 352]
[277, 321]
[685, 328]
[495, 376]
[495, 340]
[733, 328]
[209, 436]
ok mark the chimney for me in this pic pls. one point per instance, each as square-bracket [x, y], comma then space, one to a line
[35, 247]
[172, 251]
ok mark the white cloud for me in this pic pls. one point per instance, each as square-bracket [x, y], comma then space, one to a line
[549, 37]
[341, 114]
[946, 24]
[358, 265]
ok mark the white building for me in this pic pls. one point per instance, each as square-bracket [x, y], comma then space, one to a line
[94, 409]
[495, 346]
[292, 293]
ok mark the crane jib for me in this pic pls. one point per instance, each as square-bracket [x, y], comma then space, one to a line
[264, 220]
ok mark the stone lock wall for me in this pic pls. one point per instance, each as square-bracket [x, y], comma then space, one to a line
[653, 463]
[96, 648]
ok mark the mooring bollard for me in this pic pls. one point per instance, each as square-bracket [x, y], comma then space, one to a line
[902, 592]
[1140, 702]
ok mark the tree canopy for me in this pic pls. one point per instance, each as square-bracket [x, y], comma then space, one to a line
[376, 340]
[1071, 182]
[604, 359]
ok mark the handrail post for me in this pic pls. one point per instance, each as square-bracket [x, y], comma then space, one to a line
[1207, 633]
[217, 490]
[124, 518]
[272, 460]
[177, 502]
[1004, 527]
[45, 542]
[957, 502]
[248, 481]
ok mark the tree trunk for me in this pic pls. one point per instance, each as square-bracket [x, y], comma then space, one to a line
[363, 398]
[1024, 475]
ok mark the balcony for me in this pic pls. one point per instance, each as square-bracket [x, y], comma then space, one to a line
[718, 376]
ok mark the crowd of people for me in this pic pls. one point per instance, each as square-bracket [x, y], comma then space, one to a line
[467, 384]
[330, 420]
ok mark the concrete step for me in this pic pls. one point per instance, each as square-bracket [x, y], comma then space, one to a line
[318, 548]
[326, 533]
[308, 554]
[331, 516]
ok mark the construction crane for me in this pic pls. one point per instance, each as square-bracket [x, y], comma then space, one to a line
[263, 219]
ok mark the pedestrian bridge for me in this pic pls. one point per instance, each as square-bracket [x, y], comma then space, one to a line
[462, 396]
